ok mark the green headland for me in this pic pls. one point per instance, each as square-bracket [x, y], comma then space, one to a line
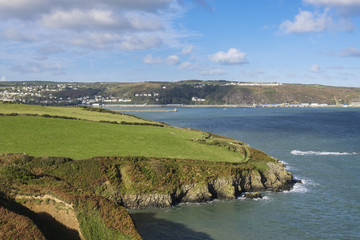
[84, 166]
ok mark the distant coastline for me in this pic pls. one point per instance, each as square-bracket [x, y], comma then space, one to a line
[223, 106]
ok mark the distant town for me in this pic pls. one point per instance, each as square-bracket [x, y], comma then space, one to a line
[191, 92]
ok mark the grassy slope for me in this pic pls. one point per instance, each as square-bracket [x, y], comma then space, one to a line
[74, 112]
[291, 93]
[38, 136]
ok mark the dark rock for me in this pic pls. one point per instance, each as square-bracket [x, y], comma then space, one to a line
[252, 195]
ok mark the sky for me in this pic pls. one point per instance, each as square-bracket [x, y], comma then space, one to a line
[287, 41]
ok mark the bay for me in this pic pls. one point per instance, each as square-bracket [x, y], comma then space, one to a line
[321, 146]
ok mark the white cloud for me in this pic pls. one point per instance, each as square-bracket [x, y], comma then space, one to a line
[108, 25]
[315, 68]
[29, 9]
[187, 49]
[171, 60]
[3, 79]
[213, 71]
[350, 52]
[232, 56]
[306, 22]
[81, 20]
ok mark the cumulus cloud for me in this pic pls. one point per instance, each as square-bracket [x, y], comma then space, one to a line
[350, 52]
[306, 22]
[3, 79]
[187, 49]
[39, 67]
[171, 60]
[81, 20]
[109, 25]
[30, 9]
[232, 56]
[315, 68]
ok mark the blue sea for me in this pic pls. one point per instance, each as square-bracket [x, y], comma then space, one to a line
[320, 146]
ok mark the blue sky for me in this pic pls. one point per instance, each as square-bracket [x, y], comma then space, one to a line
[288, 41]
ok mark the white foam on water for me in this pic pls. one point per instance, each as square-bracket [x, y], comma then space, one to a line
[264, 198]
[303, 153]
[298, 188]
[302, 187]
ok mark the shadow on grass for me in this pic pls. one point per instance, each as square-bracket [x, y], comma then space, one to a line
[151, 228]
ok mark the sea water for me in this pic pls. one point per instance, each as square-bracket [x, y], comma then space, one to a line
[320, 146]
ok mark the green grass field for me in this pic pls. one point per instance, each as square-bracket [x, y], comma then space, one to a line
[77, 139]
[75, 112]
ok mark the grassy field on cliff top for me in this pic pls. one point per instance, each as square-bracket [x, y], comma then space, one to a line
[79, 139]
[75, 112]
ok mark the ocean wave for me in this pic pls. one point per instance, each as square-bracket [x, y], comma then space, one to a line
[264, 198]
[298, 188]
[303, 153]
[301, 187]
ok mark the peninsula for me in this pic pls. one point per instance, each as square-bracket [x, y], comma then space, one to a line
[71, 172]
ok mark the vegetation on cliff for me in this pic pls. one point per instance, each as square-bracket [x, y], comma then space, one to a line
[95, 168]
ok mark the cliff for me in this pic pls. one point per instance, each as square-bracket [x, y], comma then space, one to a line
[98, 190]
[151, 183]
[85, 197]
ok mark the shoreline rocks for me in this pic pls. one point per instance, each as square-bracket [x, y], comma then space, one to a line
[275, 178]
[252, 195]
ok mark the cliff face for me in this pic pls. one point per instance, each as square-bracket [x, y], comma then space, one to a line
[99, 189]
[222, 187]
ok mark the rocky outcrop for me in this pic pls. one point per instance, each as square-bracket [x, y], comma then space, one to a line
[252, 195]
[143, 201]
[223, 189]
[274, 178]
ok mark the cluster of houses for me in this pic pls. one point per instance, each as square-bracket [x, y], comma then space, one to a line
[292, 105]
[37, 93]
[45, 94]
[265, 84]
[197, 99]
[146, 94]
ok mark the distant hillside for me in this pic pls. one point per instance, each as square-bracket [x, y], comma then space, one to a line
[182, 92]
[221, 92]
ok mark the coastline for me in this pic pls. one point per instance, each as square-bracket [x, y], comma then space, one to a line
[224, 106]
